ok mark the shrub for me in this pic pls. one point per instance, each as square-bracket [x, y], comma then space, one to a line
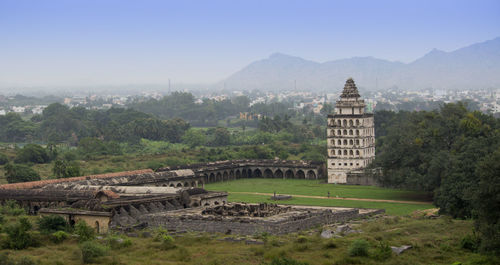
[59, 236]
[330, 244]
[11, 207]
[15, 173]
[3, 159]
[159, 233]
[301, 239]
[383, 252]
[84, 232]
[286, 261]
[25, 260]
[66, 169]
[32, 153]
[91, 250]
[470, 242]
[358, 248]
[167, 242]
[115, 242]
[52, 223]
[18, 235]
[5, 260]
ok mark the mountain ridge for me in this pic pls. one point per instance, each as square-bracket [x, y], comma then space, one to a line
[471, 67]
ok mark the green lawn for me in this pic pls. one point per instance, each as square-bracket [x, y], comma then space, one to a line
[315, 188]
[390, 208]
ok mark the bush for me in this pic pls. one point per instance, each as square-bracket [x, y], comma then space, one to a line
[18, 235]
[84, 232]
[470, 242]
[91, 250]
[59, 236]
[358, 248]
[383, 252]
[32, 153]
[286, 261]
[330, 244]
[115, 242]
[15, 173]
[11, 207]
[3, 159]
[167, 242]
[301, 239]
[66, 169]
[25, 260]
[159, 233]
[52, 223]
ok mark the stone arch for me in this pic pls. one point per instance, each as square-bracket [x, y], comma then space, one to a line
[172, 185]
[206, 204]
[231, 175]
[97, 227]
[339, 123]
[345, 142]
[218, 177]
[179, 185]
[211, 178]
[301, 174]
[345, 123]
[332, 142]
[339, 142]
[345, 152]
[257, 173]
[333, 152]
[351, 153]
[311, 174]
[357, 122]
[339, 132]
[357, 132]
[339, 152]
[357, 152]
[193, 184]
[238, 174]
[332, 132]
[278, 173]
[248, 173]
[268, 173]
[351, 132]
[289, 174]
[357, 142]
[345, 132]
[225, 176]
[350, 123]
[351, 142]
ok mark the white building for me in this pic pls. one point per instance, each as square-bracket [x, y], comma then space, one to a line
[350, 135]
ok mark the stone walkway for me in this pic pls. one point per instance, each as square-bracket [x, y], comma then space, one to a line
[335, 198]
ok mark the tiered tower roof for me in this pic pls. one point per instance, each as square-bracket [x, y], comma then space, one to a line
[350, 90]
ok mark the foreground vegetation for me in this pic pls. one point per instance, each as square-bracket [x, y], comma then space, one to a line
[434, 241]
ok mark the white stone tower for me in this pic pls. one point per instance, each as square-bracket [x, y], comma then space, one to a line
[350, 135]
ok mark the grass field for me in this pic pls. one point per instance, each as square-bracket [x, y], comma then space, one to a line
[316, 188]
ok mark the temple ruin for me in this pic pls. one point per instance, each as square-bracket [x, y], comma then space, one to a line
[173, 197]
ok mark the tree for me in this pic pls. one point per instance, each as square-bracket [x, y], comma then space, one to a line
[66, 169]
[3, 159]
[194, 138]
[32, 153]
[486, 203]
[221, 137]
[20, 173]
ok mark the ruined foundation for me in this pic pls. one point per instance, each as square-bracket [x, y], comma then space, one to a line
[248, 219]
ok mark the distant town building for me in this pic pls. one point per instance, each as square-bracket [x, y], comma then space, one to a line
[18, 109]
[351, 135]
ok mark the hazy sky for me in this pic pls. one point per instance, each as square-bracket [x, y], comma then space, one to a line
[50, 42]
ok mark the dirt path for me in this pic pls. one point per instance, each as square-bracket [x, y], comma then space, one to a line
[335, 198]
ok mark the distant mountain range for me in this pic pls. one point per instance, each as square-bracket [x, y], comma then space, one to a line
[473, 67]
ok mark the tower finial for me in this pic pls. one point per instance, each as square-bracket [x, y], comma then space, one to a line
[350, 89]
